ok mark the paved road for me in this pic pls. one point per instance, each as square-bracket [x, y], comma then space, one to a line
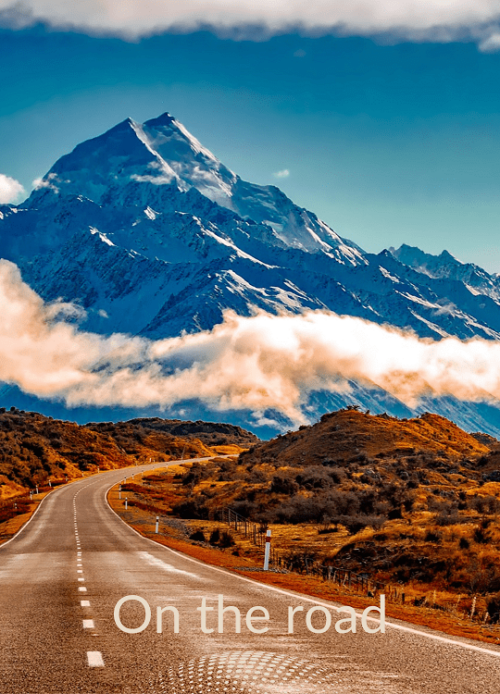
[61, 578]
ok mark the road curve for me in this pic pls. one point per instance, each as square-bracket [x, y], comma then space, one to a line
[61, 577]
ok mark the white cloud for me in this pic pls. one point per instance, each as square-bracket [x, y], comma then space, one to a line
[440, 20]
[284, 173]
[10, 189]
[252, 363]
[491, 44]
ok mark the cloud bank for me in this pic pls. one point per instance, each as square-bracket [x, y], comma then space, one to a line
[251, 363]
[10, 189]
[410, 19]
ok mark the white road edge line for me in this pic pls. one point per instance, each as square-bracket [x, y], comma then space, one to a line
[399, 627]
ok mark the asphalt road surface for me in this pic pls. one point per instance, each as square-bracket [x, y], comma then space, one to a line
[62, 576]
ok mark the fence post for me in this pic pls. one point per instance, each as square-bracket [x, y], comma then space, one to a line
[267, 551]
[473, 609]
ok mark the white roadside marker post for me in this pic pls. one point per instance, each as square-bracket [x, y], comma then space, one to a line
[157, 524]
[267, 551]
[120, 491]
[126, 502]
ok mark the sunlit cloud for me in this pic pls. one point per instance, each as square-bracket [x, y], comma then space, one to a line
[435, 20]
[10, 189]
[284, 173]
[246, 363]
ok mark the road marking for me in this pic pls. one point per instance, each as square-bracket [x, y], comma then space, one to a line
[163, 565]
[79, 571]
[85, 603]
[82, 589]
[94, 659]
[81, 579]
[78, 554]
[88, 624]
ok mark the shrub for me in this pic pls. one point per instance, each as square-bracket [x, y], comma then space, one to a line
[481, 536]
[283, 485]
[198, 536]
[432, 536]
[215, 537]
[493, 609]
[226, 539]
[464, 543]
[191, 508]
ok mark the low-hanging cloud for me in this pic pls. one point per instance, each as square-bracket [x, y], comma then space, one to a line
[246, 363]
[10, 189]
[440, 20]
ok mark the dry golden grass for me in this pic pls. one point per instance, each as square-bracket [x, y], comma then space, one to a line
[231, 449]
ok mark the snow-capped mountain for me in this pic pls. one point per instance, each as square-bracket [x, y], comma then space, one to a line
[151, 234]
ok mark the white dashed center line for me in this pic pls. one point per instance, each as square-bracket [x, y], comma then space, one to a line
[94, 659]
[82, 590]
[88, 623]
[85, 603]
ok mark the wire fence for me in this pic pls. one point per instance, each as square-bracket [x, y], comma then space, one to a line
[305, 563]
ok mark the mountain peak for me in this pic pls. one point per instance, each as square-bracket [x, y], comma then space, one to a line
[133, 161]
[164, 119]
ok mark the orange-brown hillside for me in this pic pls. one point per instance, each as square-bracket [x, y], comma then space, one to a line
[35, 448]
[353, 436]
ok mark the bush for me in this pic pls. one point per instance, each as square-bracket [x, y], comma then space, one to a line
[283, 485]
[215, 537]
[464, 543]
[493, 609]
[198, 536]
[432, 536]
[481, 536]
[315, 478]
[191, 508]
[226, 539]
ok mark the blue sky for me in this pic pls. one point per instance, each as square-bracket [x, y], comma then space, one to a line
[389, 141]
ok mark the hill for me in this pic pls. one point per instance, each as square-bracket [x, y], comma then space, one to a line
[35, 448]
[210, 433]
[401, 500]
[350, 467]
